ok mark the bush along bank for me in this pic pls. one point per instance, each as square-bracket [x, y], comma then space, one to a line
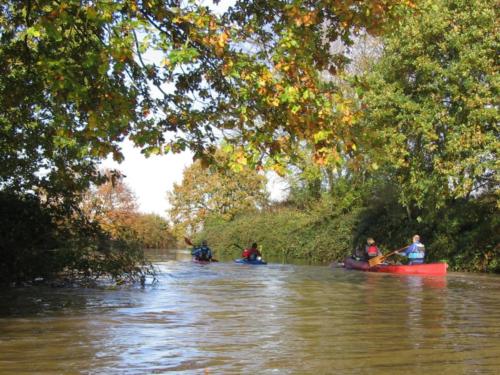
[47, 242]
[464, 233]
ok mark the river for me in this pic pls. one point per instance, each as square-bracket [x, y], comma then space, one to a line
[224, 318]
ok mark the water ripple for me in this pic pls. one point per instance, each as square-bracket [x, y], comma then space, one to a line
[275, 319]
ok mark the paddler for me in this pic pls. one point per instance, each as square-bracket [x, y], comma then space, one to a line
[415, 252]
[251, 253]
[202, 253]
[371, 249]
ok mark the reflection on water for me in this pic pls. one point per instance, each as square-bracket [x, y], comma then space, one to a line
[161, 255]
[225, 318]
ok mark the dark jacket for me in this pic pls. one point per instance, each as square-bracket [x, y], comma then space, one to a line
[202, 252]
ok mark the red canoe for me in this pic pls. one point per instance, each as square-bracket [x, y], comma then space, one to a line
[430, 269]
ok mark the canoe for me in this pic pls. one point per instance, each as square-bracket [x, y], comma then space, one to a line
[430, 269]
[246, 261]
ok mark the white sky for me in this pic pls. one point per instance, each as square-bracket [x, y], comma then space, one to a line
[151, 178]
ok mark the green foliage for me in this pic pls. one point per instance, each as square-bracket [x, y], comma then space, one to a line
[431, 124]
[322, 233]
[466, 234]
[432, 113]
[75, 81]
[153, 232]
[271, 229]
[423, 122]
[63, 103]
[39, 240]
[27, 236]
[215, 191]
[384, 218]
[283, 86]
[419, 154]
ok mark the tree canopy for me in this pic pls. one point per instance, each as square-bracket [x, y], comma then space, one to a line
[432, 102]
[79, 76]
[216, 191]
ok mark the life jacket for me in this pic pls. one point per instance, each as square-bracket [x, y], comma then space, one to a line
[246, 253]
[372, 250]
[416, 251]
[202, 253]
[253, 253]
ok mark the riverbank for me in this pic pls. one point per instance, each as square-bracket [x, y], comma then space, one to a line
[466, 235]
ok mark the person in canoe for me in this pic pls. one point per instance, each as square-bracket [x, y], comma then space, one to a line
[359, 253]
[202, 253]
[415, 252]
[251, 253]
[371, 249]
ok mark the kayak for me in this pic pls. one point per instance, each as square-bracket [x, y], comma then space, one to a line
[430, 269]
[203, 261]
[194, 260]
[246, 261]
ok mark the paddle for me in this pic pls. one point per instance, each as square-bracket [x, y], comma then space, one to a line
[380, 258]
[238, 246]
[188, 241]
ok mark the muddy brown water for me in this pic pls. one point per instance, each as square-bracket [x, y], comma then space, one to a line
[225, 318]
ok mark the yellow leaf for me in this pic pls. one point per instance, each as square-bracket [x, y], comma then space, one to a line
[223, 37]
[279, 169]
[200, 22]
[242, 160]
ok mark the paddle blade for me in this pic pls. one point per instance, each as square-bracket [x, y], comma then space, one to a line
[376, 260]
[188, 241]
